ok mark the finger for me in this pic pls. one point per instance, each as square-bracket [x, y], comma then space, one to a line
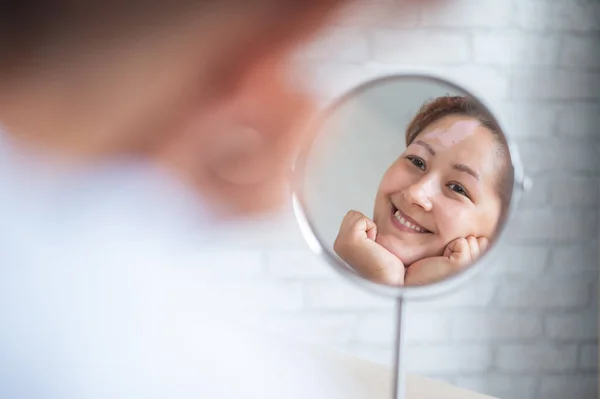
[457, 245]
[473, 247]
[350, 215]
[357, 219]
[350, 220]
[460, 251]
[355, 222]
[448, 250]
[347, 226]
[354, 217]
[369, 227]
[483, 244]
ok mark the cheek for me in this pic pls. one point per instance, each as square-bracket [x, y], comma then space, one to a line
[381, 207]
[395, 179]
[489, 221]
[454, 219]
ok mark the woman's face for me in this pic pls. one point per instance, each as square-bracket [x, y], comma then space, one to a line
[441, 188]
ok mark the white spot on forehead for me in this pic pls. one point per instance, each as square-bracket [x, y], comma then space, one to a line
[454, 134]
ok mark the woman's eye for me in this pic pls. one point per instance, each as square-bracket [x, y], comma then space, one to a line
[418, 162]
[458, 189]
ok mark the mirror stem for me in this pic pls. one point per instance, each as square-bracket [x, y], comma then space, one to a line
[399, 352]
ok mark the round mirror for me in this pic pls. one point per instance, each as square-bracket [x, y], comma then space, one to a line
[407, 186]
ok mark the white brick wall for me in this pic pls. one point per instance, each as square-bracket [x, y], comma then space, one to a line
[419, 46]
[568, 386]
[527, 326]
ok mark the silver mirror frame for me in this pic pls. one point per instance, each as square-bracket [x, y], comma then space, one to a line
[314, 241]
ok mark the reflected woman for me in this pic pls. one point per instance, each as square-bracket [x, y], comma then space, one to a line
[439, 204]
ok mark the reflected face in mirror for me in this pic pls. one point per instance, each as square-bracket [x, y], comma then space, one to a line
[444, 186]
[439, 204]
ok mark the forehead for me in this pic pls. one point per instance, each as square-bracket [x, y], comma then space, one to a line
[458, 139]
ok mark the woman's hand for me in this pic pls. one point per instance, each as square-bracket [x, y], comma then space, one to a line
[458, 254]
[356, 245]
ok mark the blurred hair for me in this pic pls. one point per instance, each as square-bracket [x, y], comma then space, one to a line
[440, 107]
[57, 28]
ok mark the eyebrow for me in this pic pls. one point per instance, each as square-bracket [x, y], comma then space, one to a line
[466, 169]
[461, 167]
[427, 146]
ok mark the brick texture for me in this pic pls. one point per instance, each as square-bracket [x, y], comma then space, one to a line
[526, 327]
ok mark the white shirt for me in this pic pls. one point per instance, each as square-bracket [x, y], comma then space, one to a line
[104, 294]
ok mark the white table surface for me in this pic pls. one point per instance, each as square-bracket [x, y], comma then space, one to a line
[374, 381]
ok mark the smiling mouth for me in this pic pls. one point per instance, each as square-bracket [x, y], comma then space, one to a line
[403, 222]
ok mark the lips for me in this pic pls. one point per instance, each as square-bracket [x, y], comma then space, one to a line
[406, 223]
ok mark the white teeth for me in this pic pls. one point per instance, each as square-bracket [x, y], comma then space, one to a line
[407, 223]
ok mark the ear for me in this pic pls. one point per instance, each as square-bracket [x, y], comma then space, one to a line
[243, 146]
[265, 122]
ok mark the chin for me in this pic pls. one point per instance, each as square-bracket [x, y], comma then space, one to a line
[425, 255]
[407, 253]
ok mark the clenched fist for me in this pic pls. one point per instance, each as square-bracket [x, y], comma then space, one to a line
[356, 245]
[458, 254]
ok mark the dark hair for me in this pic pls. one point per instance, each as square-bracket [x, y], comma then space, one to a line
[440, 107]
[58, 27]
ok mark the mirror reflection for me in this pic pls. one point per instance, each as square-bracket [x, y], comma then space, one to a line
[408, 182]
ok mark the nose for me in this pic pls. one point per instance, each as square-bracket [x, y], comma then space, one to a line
[420, 193]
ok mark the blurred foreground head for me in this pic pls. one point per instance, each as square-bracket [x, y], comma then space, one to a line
[202, 87]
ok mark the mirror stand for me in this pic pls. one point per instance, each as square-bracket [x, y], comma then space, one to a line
[400, 351]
